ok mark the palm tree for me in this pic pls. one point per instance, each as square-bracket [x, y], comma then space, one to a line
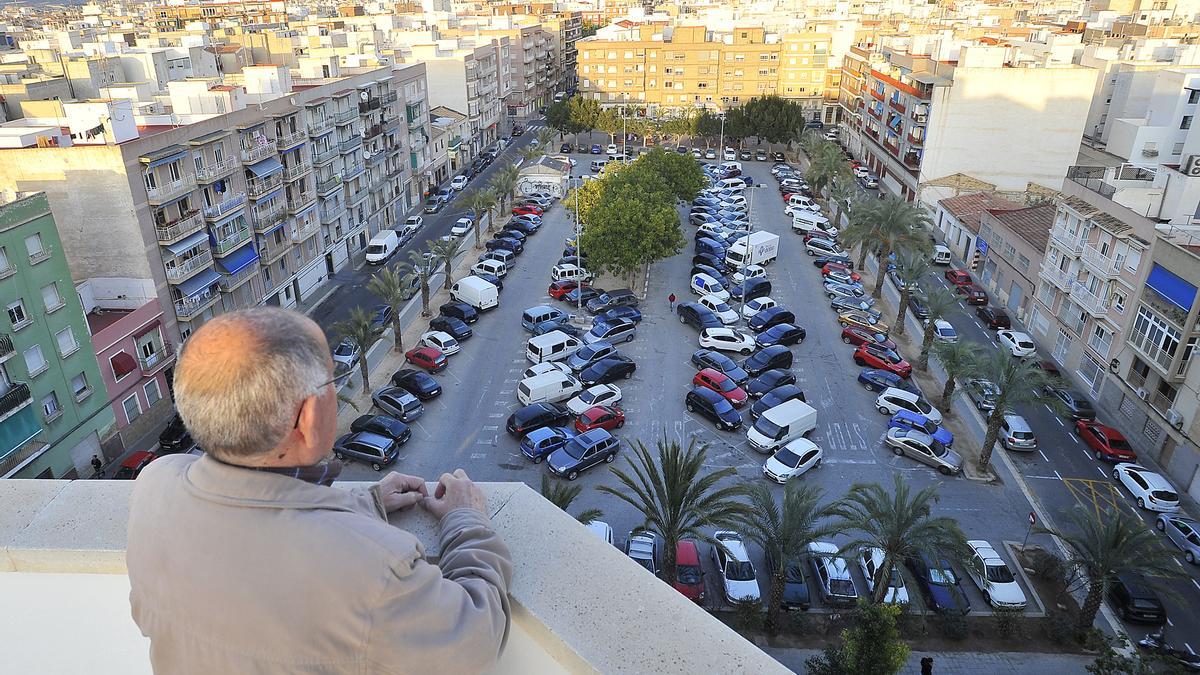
[477, 201]
[444, 252]
[1018, 382]
[677, 496]
[960, 361]
[359, 330]
[531, 152]
[841, 193]
[1107, 544]
[504, 182]
[900, 524]
[562, 494]
[545, 137]
[423, 267]
[911, 267]
[393, 287]
[824, 166]
[783, 531]
[898, 223]
[860, 231]
[939, 303]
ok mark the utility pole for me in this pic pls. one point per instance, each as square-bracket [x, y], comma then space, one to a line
[721, 143]
[577, 183]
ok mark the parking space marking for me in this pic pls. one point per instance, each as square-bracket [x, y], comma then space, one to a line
[1060, 423]
[1044, 457]
[491, 427]
[1044, 477]
[478, 455]
[1189, 647]
[496, 415]
[1101, 495]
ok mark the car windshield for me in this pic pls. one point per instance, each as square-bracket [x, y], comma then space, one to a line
[722, 407]
[1119, 444]
[941, 577]
[575, 449]
[344, 349]
[689, 574]
[768, 428]
[725, 385]
[720, 307]
[793, 574]
[739, 571]
[590, 396]
[842, 587]
[999, 574]
[1164, 495]
[928, 427]
[787, 458]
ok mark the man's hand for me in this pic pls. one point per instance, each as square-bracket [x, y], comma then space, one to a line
[400, 491]
[455, 491]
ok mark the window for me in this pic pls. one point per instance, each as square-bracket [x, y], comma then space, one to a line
[79, 387]
[1186, 123]
[1061, 344]
[35, 362]
[66, 341]
[33, 246]
[1118, 301]
[132, 408]
[4, 264]
[1133, 259]
[151, 181]
[50, 406]
[17, 316]
[51, 298]
[1009, 250]
[1089, 370]
[1193, 96]
[1039, 322]
[1023, 263]
[1100, 341]
[1177, 149]
[153, 393]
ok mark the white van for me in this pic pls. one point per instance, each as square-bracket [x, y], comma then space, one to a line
[703, 284]
[382, 246]
[548, 388]
[804, 221]
[799, 201]
[535, 315]
[475, 292]
[783, 423]
[727, 167]
[735, 184]
[553, 346]
[569, 272]
[597, 165]
[494, 267]
[502, 254]
[941, 255]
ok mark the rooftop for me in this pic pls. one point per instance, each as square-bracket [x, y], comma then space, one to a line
[1031, 224]
[99, 319]
[969, 208]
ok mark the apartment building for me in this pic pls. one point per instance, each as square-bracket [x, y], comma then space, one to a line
[962, 108]
[261, 13]
[526, 50]
[690, 66]
[1013, 242]
[260, 205]
[1129, 87]
[53, 408]
[463, 75]
[568, 25]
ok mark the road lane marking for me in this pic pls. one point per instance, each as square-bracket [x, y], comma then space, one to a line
[1043, 455]
[1085, 453]
[1102, 472]
[491, 427]
[1060, 423]
[478, 455]
[1189, 647]
[1196, 583]
[1048, 409]
[1044, 477]
[1169, 622]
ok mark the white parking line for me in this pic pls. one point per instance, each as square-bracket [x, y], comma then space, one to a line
[1085, 453]
[1189, 647]
[1060, 423]
[1102, 472]
[1196, 583]
[1057, 474]
[1048, 409]
[1169, 622]
[1044, 457]
[1044, 477]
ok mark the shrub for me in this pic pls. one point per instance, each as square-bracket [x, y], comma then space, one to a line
[1008, 622]
[749, 614]
[953, 625]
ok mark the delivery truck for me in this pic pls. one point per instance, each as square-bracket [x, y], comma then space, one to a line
[757, 248]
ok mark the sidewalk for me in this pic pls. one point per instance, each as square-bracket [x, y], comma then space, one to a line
[963, 663]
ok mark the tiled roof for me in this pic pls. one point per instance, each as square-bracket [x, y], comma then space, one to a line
[1031, 223]
[968, 208]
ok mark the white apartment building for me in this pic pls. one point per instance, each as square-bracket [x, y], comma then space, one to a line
[1128, 87]
[463, 75]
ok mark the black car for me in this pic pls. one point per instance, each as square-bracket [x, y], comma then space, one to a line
[822, 261]
[175, 437]
[877, 379]
[1074, 404]
[710, 260]
[707, 358]
[775, 356]
[1136, 601]
[491, 279]
[777, 157]
[525, 227]
[917, 307]
[418, 382]
[993, 317]
[382, 425]
[576, 260]
[750, 289]
[512, 233]
[780, 334]
[551, 325]
[381, 316]
[621, 297]
[699, 316]
[769, 380]
[459, 310]
[581, 294]
[714, 406]
[371, 448]
[781, 394]
[451, 325]
[772, 316]
[607, 370]
[507, 243]
[795, 588]
[565, 147]
[536, 416]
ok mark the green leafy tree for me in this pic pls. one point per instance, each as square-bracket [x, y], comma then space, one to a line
[1109, 543]
[960, 360]
[677, 496]
[444, 252]
[784, 532]
[825, 165]
[708, 126]
[558, 116]
[503, 183]
[609, 121]
[939, 303]
[683, 176]
[545, 138]
[584, 113]
[357, 328]
[900, 524]
[911, 267]
[871, 645]
[393, 287]
[423, 268]
[860, 232]
[1019, 382]
[478, 201]
[563, 494]
[899, 224]
[631, 225]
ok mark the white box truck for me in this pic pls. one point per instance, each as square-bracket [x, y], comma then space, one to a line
[763, 247]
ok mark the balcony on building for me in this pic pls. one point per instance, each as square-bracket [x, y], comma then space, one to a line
[238, 267]
[270, 212]
[66, 575]
[187, 257]
[258, 150]
[230, 202]
[1141, 188]
[352, 171]
[356, 191]
[350, 144]
[1060, 279]
[296, 166]
[158, 358]
[263, 178]
[290, 139]
[919, 113]
[1090, 302]
[319, 122]
[327, 185]
[229, 235]
[14, 396]
[197, 294]
[307, 224]
[326, 154]
[181, 226]
[1070, 242]
[331, 211]
[300, 197]
[273, 245]
[7, 350]
[1101, 264]
[164, 192]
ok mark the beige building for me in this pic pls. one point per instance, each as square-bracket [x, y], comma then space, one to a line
[1014, 241]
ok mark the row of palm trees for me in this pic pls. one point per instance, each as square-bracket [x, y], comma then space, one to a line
[678, 499]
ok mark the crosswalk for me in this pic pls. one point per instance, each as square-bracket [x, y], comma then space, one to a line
[534, 126]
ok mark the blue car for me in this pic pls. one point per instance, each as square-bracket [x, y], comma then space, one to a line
[622, 312]
[597, 150]
[538, 444]
[905, 419]
[939, 584]
[878, 380]
[583, 452]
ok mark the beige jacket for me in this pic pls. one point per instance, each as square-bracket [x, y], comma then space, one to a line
[240, 571]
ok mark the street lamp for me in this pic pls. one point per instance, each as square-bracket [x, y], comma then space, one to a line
[721, 142]
[576, 183]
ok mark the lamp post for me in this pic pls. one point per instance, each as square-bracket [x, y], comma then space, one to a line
[721, 142]
[576, 183]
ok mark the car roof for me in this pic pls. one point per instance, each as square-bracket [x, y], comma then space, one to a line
[707, 394]
[918, 436]
[687, 552]
[370, 438]
[592, 437]
[732, 542]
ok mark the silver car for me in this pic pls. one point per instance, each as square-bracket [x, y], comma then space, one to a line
[1015, 434]
[835, 289]
[398, 402]
[1183, 532]
[921, 447]
[983, 394]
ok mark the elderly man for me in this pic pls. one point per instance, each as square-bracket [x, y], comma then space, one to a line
[245, 560]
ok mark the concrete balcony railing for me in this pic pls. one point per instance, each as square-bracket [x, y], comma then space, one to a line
[344, 116]
[179, 228]
[322, 156]
[290, 139]
[1061, 280]
[317, 127]
[168, 191]
[62, 559]
[257, 153]
[211, 172]
[352, 171]
[189, 307]
[297, 171]
[269, 214]
[328, 185]
[300, 200]
[330, 213]
[305, 229]
[269, 250]
[232, 202]
[257, 187]
[1072, 243]
[232, 242]
[1101, 264]
[179, 269]
[350, 144]
[1090, 302]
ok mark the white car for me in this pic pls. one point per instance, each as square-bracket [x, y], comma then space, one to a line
[718, 306]
[459, 182]
[860, 171]
[748, 272]
[546, 367]
[603, 530]
[892, 400]
[730, 155]
[611, 149]
[714, 229]
[993, 577]
[413, 223]
[870, 559]
[727, 340]
[793, 460]
[757, 305]
[943, 331]
[738, 579]
[462, 227]
[1152, 491]
[1016, 342]
[600, 394]
[442, 341]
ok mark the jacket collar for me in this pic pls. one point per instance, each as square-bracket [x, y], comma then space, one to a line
[211, 480]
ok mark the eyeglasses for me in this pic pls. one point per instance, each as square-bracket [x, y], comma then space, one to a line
[300, 411]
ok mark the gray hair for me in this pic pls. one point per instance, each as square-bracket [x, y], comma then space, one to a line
[242, 377]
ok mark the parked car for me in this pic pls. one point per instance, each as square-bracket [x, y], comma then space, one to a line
[939, 584]
[973, 294]
[590, 354]
[1017, 343]
[698, 316]
[132, 466]
[781, 334]
[943, 331]
[605, 417]
[429, 358]
[993, 317]
[738, 578]
[643, 548]
[768, 380]
[374, 449]
[1107, 443]
[993, 577]
[907, 419]
[958, 277]
[777, 396]
[536, 416]
[455, 327]
[623, 313]
[831, 575]
[983, 394]
[714, 406]
[1183, 532]
[856, 335]
[539, 443]
[793, 460]
[443, 342]
[418, 383]
[583, 452]
[706, 358]
[917, 306]
[459, 310]
[382, 425]
[381, 316]
[1150, 490]
[878, 379]
[608, 369]
[769, 317]
[795, 588]
[600, 394]
[773, 356]
[870, 559]
[921, 447]
[175, 438]
[875, 356]
[1135, 600]
[689, 575]
[399, 403]
[862, 320]
[1076, 406]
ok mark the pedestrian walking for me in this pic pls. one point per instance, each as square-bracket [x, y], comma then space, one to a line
[671, 301]
[97, 465]
[927, 665]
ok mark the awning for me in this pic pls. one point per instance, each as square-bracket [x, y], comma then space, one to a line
[266, 167]
[297, 148]
[238, 260]
[272, 230]
[199, 282]
[187, 242]
[122, 364]
[209, 138]
[172, 153]
[1172, 287]
[146, 330]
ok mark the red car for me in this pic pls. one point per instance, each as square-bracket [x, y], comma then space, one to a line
[558, 289]
[600, 417]
[854, 335]
[690, 579]
[958, 277]
[1108, 443]
[854, 164]
[722, 384]
[973, 293]
[872, 356]
[429, 358]
[527, 210]
[133, 465]
[838, 267]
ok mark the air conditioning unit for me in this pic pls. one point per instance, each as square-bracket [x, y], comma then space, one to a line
[1191, 166]
[1141, 393]
[1174, 418]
